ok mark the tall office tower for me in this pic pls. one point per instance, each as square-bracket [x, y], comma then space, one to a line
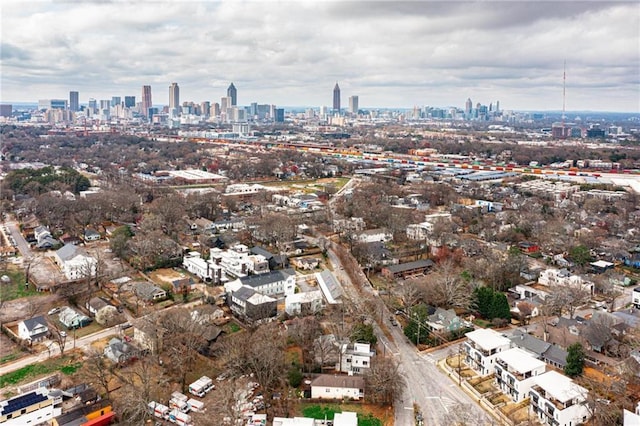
[225, 102]
[174, 96]
[279, 115]
[233, 94]
[336, 98]
[205, 108]
[6, 110]
[215, 109]
[105, 104]
[129, 101]
[353, 104]
[115, 101]
[146, 100]
[468, 106]
[497, 106]
[74, 101]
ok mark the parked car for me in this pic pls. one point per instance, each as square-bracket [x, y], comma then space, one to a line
[53, 311]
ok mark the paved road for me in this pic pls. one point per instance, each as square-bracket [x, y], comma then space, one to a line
[437, 396]
[23, 246]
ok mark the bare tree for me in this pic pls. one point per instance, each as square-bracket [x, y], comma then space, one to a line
[303, 332]
[384, 382]
[445, 287]
[567, 298]
[525, 310]
[325, 350]
[142, 383]
[99, 370]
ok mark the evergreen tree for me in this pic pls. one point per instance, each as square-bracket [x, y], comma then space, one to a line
[500, 306]
[575, 360]
[483, 300]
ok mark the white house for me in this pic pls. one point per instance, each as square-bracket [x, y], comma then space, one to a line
[278, 282]
[36, 407]
[635, 297]
[238, 261]
[329, 386]
[558, 401]
[422, 231]
[374, 236]
[631, 419]
[561, 277]
[33, 329]
[207, 270]
[356, 358]
[516, 371]
[308, 302]
[75, 262]
[482, 347]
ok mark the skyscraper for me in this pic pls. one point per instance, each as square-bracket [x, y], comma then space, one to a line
[74, 103]
[146, 100]
[115, 101]
[129, 101]
[233, 94]
[353, 104]
[468, 106]
[174, 96]
[336, 98]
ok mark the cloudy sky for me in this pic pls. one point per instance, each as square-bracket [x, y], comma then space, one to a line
[391, 54]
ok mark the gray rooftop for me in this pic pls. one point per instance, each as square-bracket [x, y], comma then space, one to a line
[260, 280]
[402, 267]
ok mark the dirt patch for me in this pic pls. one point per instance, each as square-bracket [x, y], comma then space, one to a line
[166, 276]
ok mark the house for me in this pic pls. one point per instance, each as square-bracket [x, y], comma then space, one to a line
[545, 351]
[516, 371]
[374, 235]
[71, 318]
[306, 263]
[203, 225]
[148, 291]
[635, 297]
[528, 247]
[121, 352]
[272, 283]
[91, 235]
[304, 303]
[43, 237]
[355, 358]
[75, 262]
[404, 270]
[631, 419]
[329, 386]
[147, 335]
[352, 224]
[482, 347]
[33, 407]
[207, 270]
[558, 401]
[248, 303]
[561, 277]
[238, 261]
[33, 329]
[96, 304]
[329, 286]
[445, 320]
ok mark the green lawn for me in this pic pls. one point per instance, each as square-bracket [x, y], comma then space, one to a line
[66, 365]
[16, 289]
[328, 411]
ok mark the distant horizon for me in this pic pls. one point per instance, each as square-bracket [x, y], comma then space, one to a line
[302, 107]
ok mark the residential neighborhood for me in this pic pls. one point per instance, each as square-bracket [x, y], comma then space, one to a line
[284, 282]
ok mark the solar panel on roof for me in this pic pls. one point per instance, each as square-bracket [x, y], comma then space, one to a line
[21, 402]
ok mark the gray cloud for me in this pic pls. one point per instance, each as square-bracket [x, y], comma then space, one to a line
[291, 53]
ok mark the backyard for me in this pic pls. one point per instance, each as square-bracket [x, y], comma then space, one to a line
[368, 415]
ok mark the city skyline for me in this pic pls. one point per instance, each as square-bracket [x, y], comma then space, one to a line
[389, 54]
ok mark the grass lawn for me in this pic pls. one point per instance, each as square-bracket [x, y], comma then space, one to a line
[232, 327]
[9, 357]
[16, 289]
[482, 323]
[67, 364]
[328, 411]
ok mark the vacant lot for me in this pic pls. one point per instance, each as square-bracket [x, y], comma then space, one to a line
[368, 415]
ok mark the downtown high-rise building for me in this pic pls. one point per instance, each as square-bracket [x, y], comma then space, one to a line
[336, 98]
[468, 107]
[74, 101]
[115, 101]
[146, 100]
[174, 96]
[232, 93]
[129, 101]
[353, 104]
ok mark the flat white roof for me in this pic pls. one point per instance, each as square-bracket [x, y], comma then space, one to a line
[520, 360]
[194, 174]
[488, 339]
[560, 387]
[602, 264]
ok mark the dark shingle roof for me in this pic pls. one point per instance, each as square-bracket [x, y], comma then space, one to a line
[528, 342]
[403, 267]
[32, 323]
[268, 278]
[334, 381]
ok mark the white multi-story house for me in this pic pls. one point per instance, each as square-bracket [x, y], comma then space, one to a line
[35, 407]
[303, 303]
[635, 297]
[631, 419]
[561, 277]
[558, 401]
[75, 262]
[33, 329]
[516, 371]
[374, 235]
[273, 283]
[423, 230]
[239, 262]
[482, 347]
[355, 358]
[207, 270]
